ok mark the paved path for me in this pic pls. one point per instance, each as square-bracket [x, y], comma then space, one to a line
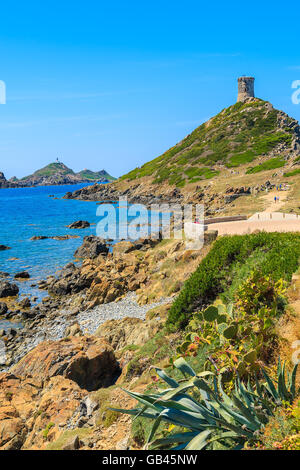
[270, 220]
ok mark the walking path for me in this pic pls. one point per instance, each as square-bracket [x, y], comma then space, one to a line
[270, 220]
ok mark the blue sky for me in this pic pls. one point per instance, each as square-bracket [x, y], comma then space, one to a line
[114, 84]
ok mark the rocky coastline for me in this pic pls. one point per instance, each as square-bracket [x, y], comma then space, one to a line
[82, 337]
[117, 297]
[57, 180]
[148, 195]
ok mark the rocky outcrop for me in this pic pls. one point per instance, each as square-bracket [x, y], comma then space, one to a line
[32, 413]
[3, 308]
[92, 247]
[128, 331]
[22, 275]
[55, 237]
[88, 361]
[79, 224]
[136, 193]
[47, 392]
[3, 274]
[8, 290]
[4, 247]
[4, 183]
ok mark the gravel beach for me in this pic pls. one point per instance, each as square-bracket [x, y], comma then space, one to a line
[127, 307]
[89, 321]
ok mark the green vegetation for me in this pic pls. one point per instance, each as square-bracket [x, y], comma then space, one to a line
[210, 417]
[106, 417]
[234, 397]
[241, 158]
[292, 173]
[95, 175]
[242, 334]
[270, 164]
[283, 430]
[61, 169]
[236, 136]
[66, 436]
[277, 255]
[194, 172]
[47, 429]
[50, 170]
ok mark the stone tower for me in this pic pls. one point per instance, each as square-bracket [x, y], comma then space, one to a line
[245, 88]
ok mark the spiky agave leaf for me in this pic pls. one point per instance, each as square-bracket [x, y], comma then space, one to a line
[216, 416]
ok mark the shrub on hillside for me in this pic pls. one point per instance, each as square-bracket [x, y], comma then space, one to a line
[281, 252]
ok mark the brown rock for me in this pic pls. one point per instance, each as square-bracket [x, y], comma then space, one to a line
[72, 444]
[88, 361]
[121, 333]
[73, 330]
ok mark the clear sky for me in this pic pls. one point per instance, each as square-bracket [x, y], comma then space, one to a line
[114, 84]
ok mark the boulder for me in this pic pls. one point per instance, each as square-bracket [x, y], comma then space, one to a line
[39, 237]
[91, 247]
[3, 308]
[73, 330]
[72, 444]
[4, 247]
[79, 224]
[128, 331]
[126, 246]
[64, 237]
[55, 237]
[89, 361]
[22, 275]
[123, 247]
[8, 290]
[25, 303]
[3, 274]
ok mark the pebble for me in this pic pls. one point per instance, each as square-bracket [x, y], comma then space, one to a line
[126, 307]
[89, 320]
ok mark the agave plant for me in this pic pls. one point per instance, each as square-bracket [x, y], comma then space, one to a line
[215, 417]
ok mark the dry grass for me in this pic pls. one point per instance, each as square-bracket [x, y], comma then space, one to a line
[288, 326]
[292, 203]
[169, 264]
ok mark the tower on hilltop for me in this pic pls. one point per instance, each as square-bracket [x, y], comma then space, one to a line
[245, 88]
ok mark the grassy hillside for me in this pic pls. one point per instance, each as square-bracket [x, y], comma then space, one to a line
[95, 175]
[275, 254]
[238, 135]
[51, 169]
[60, 169]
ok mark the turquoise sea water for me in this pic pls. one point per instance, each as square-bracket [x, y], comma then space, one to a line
[28, 212]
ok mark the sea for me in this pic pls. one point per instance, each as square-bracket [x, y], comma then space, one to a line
[42, 211]
[29, 212]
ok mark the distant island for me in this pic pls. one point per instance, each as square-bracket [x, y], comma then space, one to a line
[54, 174]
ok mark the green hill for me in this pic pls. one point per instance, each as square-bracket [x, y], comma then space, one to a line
[95, 175]
[50, 170]
[59, 173]
[238, 135]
